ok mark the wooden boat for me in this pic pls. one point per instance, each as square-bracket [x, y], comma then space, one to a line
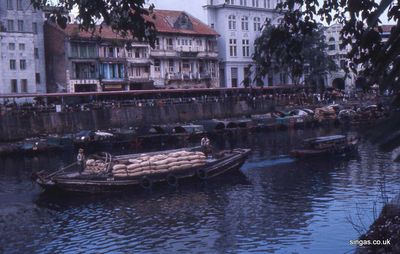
[326, 146]
[72, 181]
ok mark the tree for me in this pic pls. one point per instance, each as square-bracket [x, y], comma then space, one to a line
[130, 18]
[281, 50]
[377, 59]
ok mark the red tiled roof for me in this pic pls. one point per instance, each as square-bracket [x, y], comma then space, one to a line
[165, 19]
[386, 28]
[73, 31]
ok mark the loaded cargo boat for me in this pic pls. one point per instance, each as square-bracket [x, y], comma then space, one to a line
[326, 146]
[106, 173]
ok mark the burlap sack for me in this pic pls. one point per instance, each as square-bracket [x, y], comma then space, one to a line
[119, 166]
[133, 166]
[90, 162]
[198, 162]
[134, 161]
[120, 174]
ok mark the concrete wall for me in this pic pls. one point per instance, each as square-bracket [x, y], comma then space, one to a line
[13, 127]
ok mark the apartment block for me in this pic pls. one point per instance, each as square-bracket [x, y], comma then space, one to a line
[22, 48]
[185, 56]
[239, 23]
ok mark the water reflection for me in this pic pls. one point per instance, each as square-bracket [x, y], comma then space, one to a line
[276, 205]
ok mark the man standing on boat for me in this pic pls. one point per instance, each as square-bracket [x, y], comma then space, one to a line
[205, 145]
[81, 160]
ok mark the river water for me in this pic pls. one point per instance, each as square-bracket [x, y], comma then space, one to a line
[277, 205]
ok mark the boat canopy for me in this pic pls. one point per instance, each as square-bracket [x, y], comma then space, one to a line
[325, 139]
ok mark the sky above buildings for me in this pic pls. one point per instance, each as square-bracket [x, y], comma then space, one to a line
[193, 7]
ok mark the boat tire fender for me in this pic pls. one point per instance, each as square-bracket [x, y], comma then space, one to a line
[202, 174]
[146, 183]
[172, 180]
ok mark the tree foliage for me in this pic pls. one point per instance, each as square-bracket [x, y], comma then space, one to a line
[377, 59]
[281, 50]
[130, 18]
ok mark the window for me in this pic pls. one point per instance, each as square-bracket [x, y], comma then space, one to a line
[199, 42]
[138, 72]
[110, 52]
[11, 46]
[268, 4]
[10, 25]
[234, 77]
[170, 45]
[232, 22]
[343, 64]
[10, 5]
[14, 86]
[332, 44]
[230, 1]
[20, 25]
[245, 23]
[185, 64]
[13, 64]
[19, 5]
[34, 28]
[243, 2]
[83, 51]
[157, 65]
[157, 43]
[137, 53]
[74, 50]
[246, 48]
[37, 78]
[232, 47]
[171, 65]
[36, 52]
[21, 46]
[22, 64]
[24, 85]
[257, 24]
[256, 3]
[92, 50]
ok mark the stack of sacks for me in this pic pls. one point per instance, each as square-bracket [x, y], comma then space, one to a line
[161, 163]
[95, 167]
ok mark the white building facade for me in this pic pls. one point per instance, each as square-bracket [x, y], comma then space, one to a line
[338, 79]
[239, 23]
[22, 63]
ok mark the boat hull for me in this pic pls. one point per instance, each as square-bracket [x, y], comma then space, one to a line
[309, 153]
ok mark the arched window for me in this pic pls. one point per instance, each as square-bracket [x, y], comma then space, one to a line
[332, 44]
[245, 23]
[257, 24]
[232, 22]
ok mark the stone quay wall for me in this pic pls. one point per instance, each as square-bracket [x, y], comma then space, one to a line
[14, 127]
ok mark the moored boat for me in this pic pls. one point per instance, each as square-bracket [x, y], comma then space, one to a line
[114, 175]
[326, 146]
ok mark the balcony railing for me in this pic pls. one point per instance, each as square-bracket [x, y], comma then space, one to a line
[85, 76]
[188, 76]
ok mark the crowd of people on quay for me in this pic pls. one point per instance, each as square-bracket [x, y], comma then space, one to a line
[254, 98]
